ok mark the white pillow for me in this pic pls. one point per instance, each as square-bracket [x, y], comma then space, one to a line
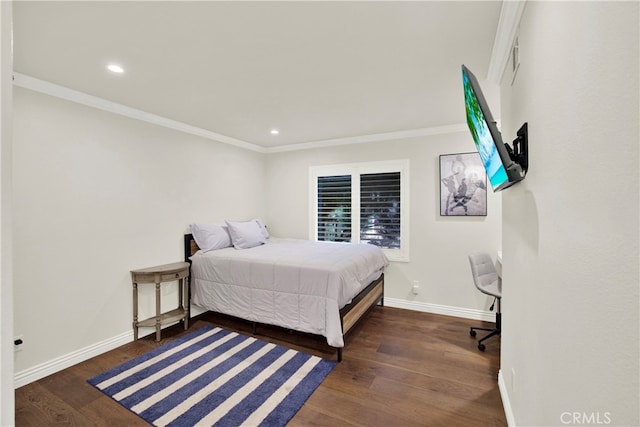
[211, 236]
[263, 228]
[245, 235]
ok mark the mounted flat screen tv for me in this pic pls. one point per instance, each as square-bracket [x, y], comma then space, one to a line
[504, 166]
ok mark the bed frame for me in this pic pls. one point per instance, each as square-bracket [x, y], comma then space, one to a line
[350, 314]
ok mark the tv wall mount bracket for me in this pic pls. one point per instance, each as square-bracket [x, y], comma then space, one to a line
[520, 152]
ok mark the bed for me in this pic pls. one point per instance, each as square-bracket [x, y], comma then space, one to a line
[320, 288]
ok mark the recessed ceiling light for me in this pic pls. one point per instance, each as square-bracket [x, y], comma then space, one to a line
[274, 131]
[115, 68]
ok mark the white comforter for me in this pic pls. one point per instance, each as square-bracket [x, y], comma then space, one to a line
[296, 284]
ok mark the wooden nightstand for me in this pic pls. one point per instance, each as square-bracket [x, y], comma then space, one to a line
[162, 273]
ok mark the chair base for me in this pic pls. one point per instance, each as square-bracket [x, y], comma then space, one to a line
[492, 332]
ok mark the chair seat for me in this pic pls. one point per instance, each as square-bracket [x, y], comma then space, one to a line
[485, 275]
[494, 289]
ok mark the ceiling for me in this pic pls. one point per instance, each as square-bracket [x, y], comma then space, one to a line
[317, 71]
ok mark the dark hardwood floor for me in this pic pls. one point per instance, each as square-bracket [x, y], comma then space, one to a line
[399, 368]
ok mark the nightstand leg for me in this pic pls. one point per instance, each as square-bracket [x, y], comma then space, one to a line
[158, 315]
[135, 311]
[184, 300]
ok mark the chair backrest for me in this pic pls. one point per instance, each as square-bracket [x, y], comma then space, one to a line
[485, 275]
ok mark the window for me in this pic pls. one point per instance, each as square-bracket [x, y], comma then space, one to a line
[363, 202]
[334, 208]
[380, 209]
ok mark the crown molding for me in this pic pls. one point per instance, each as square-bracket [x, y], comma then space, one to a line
[62, 92]
[388, 136]
[510, 16]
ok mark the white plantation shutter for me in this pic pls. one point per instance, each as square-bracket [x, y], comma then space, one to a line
[380, 209]
[334, 208]
[362, 203]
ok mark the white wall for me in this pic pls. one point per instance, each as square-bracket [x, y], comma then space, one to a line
[96, 195]
[6, 280]
[439, 245]
[570, 229]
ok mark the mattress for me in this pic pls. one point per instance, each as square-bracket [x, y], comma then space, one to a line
[292, 283]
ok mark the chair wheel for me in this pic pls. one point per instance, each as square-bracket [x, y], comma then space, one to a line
[472, 333]
[481, 347]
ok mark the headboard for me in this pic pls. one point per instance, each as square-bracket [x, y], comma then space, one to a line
[190, 247]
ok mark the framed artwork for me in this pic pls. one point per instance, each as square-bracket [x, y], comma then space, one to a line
[463, 185]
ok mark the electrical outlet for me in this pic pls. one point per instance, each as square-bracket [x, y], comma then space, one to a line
[18, 343]
[416, 287]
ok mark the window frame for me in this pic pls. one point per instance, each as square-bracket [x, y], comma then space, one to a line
[355, 170]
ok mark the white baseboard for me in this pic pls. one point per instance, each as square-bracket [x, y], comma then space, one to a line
[506, 403]
[55, 365]
[467, 313]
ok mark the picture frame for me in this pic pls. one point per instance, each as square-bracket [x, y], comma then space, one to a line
[463, 185]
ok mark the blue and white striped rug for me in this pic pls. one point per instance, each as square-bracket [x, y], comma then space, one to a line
[215, 377]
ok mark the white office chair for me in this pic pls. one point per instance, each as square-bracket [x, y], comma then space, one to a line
[487, 280]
